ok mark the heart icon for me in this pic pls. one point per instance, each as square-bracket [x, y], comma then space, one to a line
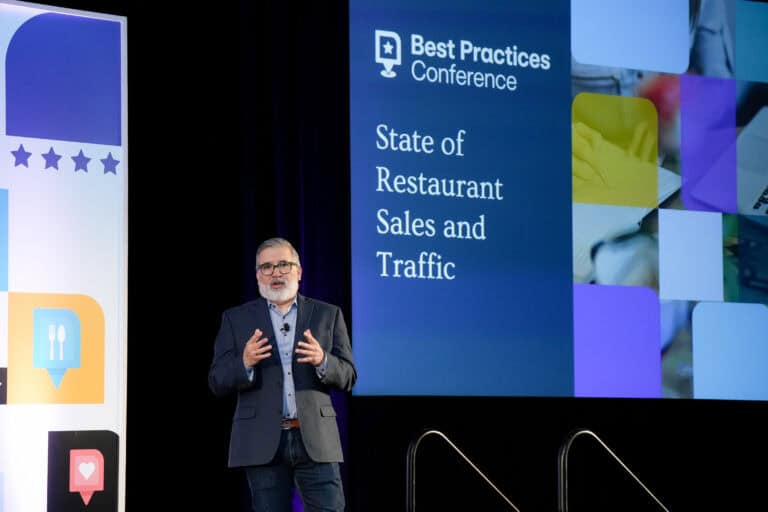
[86, 469]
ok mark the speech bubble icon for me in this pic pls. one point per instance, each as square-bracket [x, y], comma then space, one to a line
[56, 334]
[86, 473]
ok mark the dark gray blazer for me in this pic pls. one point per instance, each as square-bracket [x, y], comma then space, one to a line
[256, 424]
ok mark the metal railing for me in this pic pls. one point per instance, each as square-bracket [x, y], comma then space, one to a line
[411, 470]
[562, 469]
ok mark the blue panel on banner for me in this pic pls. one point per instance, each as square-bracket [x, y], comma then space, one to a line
[63, 80]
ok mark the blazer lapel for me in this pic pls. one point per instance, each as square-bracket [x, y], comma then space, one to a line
[262, 318]
[303, 315]
[263, 321]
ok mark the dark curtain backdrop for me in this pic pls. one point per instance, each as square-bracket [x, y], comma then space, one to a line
[238, 132]
[238, 117]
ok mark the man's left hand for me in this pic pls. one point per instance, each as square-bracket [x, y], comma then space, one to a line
[311, 350]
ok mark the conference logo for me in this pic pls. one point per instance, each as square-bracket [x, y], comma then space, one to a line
[389, 50]
[458, 62]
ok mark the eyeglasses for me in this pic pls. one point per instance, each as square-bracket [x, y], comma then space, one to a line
[282, 266]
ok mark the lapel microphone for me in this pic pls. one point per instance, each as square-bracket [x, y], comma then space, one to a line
[285, 328]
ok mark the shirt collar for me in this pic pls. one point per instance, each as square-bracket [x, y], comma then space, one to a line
[274, 307]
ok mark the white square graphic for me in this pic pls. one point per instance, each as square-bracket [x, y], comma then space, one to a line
[653, 35]
[690, 255]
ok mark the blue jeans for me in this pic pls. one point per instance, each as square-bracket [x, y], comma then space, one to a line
[272, 485]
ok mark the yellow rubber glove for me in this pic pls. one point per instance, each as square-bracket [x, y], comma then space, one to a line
[604, 173]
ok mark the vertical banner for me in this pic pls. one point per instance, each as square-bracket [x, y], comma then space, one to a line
[63, 252]
[461, 197]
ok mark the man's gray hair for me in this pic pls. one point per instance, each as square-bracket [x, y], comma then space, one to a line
[277, 242]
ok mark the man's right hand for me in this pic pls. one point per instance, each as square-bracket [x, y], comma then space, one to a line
[256, 349]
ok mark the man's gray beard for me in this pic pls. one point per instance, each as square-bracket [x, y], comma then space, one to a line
[283, 295]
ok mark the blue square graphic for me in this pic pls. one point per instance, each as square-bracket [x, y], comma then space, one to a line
[730, 356]
[751, 41]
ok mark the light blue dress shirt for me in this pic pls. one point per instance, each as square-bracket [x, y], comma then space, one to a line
[284, 327]
[284, 338]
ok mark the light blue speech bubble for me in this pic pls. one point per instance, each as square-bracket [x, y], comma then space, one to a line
[3, 240]
[56, 334]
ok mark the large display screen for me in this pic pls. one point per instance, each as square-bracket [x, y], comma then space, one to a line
[560, 198]
[63, 251]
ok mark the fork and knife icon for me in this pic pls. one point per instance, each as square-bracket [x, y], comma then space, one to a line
[56, 334]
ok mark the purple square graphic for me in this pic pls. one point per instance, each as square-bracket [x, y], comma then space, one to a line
[617, 350]
[708, 143]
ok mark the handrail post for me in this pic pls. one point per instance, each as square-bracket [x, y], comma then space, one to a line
[413, 448]
[562, 469]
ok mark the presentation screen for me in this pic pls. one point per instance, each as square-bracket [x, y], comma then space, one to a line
[560, 198]
[63, 250]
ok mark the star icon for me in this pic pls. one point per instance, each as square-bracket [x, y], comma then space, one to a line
[22, 156]
[51, 159]
[110, 164]
[81, 162]
[387, 47]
